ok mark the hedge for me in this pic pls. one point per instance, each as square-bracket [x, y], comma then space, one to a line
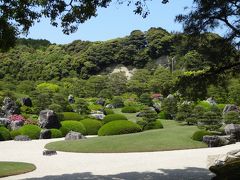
[119, 127]
[72, 126]
[129, 109]
[108, 111]
[31, 131]
[15, 133]
[92, 126]
[4, 134]
[72, 116]
[114, 117]
[154, 125]
[198, 135]
[56, 133]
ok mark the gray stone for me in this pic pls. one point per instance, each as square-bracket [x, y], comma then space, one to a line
[22, 138]
[74, 136]
[211, 101]
[225, 166]
[9, 107]
[45, 134]
[71, 99]
[110, 106]
[49, 152]
[230, 107]
[233, 130]
[4, 121]
[48, 119]
[211, 141]
[16, 124]
[98, 116]
[101, 102]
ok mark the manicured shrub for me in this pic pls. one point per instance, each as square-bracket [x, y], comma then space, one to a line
[231, 117]
[119, 127]
[15, 133]
[95, 107]
[205, 105]
[72, 116]
[198, 135]
[4, 134]
[72, 126]
[162, 115]
[146, 99]
[129, 109]
[56, 133]
[92, 126]
[108, 111]
[191, 120]
[154, 125]
[55, 107]
[32, 131]
[117, 102]
[210, 121]
[221, 106]
[114, 117]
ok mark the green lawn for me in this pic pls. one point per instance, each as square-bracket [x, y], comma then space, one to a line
[172, 137]
[15, 168]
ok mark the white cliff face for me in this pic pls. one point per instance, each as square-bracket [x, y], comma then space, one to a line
[128, 73]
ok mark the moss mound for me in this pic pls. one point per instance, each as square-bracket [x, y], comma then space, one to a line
[72, 126]
[119, 127]
[154, 125]
[4, 134]
[31, 131]
[72, 116]
[114, 117]
[92, 126]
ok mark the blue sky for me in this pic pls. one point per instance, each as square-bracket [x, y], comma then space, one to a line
[115, 21]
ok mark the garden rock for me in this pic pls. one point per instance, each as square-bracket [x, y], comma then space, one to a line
[48, 119]
[230, 107]
[16, 125]
[110, 106]
[4, 121]
[234, 130]
[49, 152]
[27, 102]
[211, 141]
[101, 102]
[74, 136]
[71, 99]
[22, 138]
[225, 166]
[9, 107]
[45, 134]
[98, 116]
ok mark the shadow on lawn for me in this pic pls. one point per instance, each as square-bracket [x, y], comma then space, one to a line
[163, 174]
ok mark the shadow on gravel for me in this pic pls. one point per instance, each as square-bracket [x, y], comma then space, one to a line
[164, 174]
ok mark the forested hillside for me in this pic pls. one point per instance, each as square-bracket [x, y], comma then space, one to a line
[75, 67]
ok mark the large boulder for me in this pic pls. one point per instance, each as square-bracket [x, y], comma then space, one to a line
[4, 121]
[225, 166]
[16, 124]
[230, 107]
[233, 130]
[101, 102]
[45, 134]
[216, 141]
[27, 102]
[48, 119]
[9, 107]
[72, 135]
[211, 101]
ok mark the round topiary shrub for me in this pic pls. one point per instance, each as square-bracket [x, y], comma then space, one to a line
[129, 109]
[15, 133]
[198, 135]
[108, 111]
[72, 116]
[162, 115]
[231, 117]
[154, 125]
[56, 133]
[31, 131]
[4, 134]
[119, 127]
[114, 117]
[92, 126]
[72, 126]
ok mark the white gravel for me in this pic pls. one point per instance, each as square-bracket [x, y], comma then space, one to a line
[182, 164]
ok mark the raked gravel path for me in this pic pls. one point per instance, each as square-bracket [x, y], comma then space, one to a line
[170, 165]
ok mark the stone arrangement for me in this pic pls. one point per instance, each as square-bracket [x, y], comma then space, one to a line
[74, 136]
[48, 119]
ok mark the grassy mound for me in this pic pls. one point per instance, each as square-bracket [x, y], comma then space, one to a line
[129, 109]
[72, 126]
[114, 117]
[172, 137]
[198, 135]
[119, 127]
[71, 116]
[15, 168]
[154, 125]
[92, 126]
